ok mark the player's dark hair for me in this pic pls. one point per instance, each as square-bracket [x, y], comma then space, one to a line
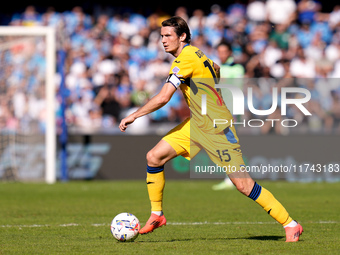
[179, 25]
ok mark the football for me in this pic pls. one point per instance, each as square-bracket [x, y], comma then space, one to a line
[125, 227]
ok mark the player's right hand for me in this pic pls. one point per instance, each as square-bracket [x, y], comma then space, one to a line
[125, 122]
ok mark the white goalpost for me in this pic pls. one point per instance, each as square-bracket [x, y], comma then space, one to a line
[12, 40]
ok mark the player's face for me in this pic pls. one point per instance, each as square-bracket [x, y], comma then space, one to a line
[171, 42]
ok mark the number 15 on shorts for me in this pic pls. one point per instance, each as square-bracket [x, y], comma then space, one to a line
[223, 155]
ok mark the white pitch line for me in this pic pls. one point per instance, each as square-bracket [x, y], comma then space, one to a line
[24, 226]
[169, 223]
[100, 224]
[69, 225]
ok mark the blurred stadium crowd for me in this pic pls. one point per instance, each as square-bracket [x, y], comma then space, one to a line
[115, 61]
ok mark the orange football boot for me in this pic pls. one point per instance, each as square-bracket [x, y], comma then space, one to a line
[293, 233]
[153, 222]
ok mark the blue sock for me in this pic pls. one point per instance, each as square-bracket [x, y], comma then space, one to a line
[255, 192]
[153, 170]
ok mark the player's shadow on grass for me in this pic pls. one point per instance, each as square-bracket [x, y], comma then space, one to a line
[261, 238]
[264, 238]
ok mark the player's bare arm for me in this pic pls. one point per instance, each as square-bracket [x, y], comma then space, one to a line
[155, 103]
[217, 70]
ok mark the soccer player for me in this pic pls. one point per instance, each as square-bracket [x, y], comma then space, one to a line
[189, 73]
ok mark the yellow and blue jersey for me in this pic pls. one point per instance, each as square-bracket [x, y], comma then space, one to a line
[197, 77]
[194, 74]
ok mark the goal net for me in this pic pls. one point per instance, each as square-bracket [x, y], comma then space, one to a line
[27, 98]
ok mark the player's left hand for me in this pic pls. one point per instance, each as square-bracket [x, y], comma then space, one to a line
[125, 122]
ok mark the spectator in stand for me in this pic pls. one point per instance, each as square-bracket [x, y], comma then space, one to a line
[76, 80]
[99, 30]
[201, 42]
[301, 66]
[320, 119]
[259, 37]
[107, 100]
[281, 11]
[307, 10]
[334, 18]
[197, 23]
[280, 35]
[182, 12]
[139, 95]
[235, 12]
[76, 17]
[332, 51]
[238, 36]
[316, 48]
[51, 17]
[124, 91]
[256, 12]
[30, 17]
[215, 32]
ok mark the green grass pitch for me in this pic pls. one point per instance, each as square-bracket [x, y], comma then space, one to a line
[74, 218]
